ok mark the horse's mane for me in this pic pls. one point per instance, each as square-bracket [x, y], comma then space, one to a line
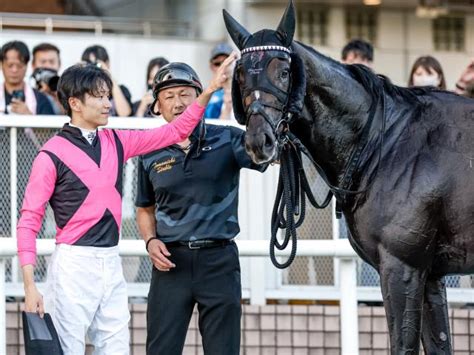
[375, 84]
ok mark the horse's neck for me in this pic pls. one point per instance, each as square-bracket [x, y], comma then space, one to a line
[335, 113]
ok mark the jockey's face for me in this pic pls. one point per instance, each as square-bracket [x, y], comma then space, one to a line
[92, 111]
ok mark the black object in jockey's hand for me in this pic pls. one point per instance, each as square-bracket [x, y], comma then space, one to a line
[40, 335]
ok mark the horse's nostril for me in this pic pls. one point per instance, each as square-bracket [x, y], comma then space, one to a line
[268, 141]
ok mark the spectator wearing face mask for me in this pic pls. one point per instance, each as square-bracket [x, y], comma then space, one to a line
[427, 71]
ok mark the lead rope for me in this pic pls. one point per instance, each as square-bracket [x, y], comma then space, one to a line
[293, 189]
[289, 210]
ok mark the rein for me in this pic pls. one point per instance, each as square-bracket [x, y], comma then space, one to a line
[290, 199]
[293, 186]
[289, 209]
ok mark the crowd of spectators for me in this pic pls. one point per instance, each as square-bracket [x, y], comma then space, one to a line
[37, 95]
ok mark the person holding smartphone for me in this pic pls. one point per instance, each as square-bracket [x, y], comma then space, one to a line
[141, 108]
[16, 96]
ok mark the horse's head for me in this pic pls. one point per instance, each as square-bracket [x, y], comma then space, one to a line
[269, 84]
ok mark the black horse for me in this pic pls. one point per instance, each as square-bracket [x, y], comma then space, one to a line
[407, 152]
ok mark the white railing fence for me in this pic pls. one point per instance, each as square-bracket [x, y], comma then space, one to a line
[324, 269]
[339, 249]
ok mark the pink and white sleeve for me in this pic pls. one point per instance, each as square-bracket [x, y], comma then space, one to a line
[136, 142]
[37, 194]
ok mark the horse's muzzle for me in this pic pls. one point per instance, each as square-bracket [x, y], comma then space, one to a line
[261, 147]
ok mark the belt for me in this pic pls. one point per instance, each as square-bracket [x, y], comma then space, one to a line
[201, 244]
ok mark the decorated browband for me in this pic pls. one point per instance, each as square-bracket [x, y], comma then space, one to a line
[265, 48]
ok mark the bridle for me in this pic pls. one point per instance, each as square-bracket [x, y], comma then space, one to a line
[262, 83]
[293, 186]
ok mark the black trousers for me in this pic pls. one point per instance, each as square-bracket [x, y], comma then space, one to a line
[208, 277]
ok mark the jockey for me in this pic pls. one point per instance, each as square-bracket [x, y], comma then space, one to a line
[79, 172]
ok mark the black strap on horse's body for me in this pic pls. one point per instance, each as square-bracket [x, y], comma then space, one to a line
[293, 186]
[354, 159]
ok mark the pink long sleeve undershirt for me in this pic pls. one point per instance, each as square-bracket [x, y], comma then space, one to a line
[43, 173]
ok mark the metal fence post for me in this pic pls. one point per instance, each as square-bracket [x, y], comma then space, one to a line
[349, 311]
[3, 323]
[13, 179]
[257, 279]
[14, 194]
[335, 236]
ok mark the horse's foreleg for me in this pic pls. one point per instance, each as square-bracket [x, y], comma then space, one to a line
[402, 290]
[435, 330]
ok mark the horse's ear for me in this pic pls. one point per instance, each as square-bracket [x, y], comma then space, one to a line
[286, 28]
[236, 31]
[298, 85]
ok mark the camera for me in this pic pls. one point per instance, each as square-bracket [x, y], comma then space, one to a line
[18, 95]
[46, 76]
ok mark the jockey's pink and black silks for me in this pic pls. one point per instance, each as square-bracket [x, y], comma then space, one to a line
[85, 193]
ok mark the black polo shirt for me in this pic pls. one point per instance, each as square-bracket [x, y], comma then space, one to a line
[196, 194]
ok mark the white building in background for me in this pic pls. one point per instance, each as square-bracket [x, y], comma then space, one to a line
[186, 30]
[398, 34]
[400, 30]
